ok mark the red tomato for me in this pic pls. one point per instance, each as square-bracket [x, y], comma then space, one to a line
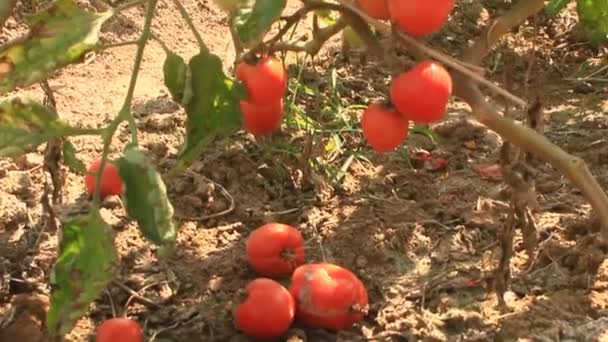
[375, 8]
[119, 330]
[328, 296]
[383, 128]
[111, 183]
[265, 81]
[267, 311]
[262, 119]
[421, 94]
[275, 250]
[420, 17]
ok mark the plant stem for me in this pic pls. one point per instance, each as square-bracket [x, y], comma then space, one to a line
[115, 45]
[128, 5]
[184, 13]
[125, 112]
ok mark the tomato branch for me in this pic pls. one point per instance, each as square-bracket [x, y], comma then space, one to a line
[313, 46]
[6, 8]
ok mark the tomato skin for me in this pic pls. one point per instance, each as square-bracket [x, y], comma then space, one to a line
[328, 296]
[383, 128]
[375, 8]
[422, 93]
[267, 246]
[262, 119]
[119, 330]
[265, 81]
[420, 17]
[111, 183]
[268, 310]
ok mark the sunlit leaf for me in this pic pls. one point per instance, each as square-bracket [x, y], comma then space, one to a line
[59, 36]
[594, 19]
[213, 109]
[252, 23]
[71, 160]
[145, 198]
[85, 265]
[25, 124]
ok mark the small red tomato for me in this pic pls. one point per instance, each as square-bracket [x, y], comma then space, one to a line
[422, 93]
[420, 17]
[375, 8]
[383, 128]
[119, 330]
[265, 81]
[267, 311]
[262, 119]
[111, 183]
[328, 296]
[275, 250]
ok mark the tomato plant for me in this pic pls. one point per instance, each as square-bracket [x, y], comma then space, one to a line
[267, 310]
[119, 330]
[421, 94]
[275, 249]
[262, 119]
[384, 128]
[265, 80]
[375, 8]
[420, 17]
[111, 183]
[328, 296]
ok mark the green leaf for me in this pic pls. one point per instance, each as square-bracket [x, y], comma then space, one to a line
[84, 267]
[253, 22]
[145, 198]
[175, 73]
[59, 36]
[212, 110]
[555, 6]
[594, 19]
[71, 160]
[25, 124]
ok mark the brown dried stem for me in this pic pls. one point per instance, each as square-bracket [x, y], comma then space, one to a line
[466, 87]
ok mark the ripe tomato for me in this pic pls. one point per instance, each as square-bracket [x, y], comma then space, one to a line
[421, 94]
[383, 128]
[262, 119]
[265, 81]
[119, 330]
[267, 311]
[111, 183]
[420, 17]
[375, 8]
[275, 250]
[328, 296]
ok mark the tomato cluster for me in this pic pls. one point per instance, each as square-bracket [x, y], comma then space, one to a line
[266, 83]
[418, 95]
[321, 295]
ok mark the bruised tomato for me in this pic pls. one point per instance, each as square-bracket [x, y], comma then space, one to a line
[119, 330]
[265, 81]
[375, 8]
[421, 94]
[383, 128]
[328, 296]
[262, 119]
[267, 310]
[275, 250]
[111, 183]
[420, 17]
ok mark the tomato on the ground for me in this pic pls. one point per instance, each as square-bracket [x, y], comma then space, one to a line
[383, 128]
[265, 81]
[267, 311]
[328, 296]
[111, 183]
[275, 250]
[420, 17]
[119, 330]
[422, 93]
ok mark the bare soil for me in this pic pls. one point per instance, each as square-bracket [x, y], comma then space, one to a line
[424, 242]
